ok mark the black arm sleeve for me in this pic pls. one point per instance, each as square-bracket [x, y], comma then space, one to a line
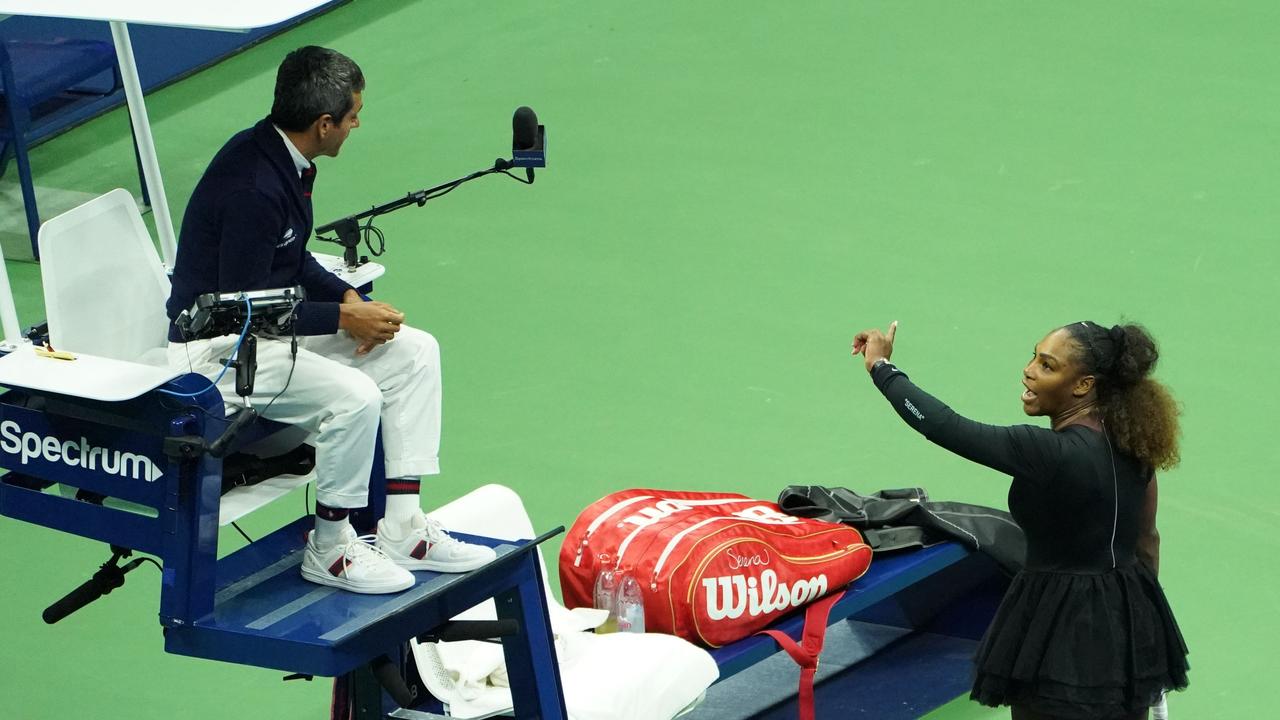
[1023, 450]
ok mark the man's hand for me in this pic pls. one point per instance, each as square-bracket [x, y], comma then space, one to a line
[874, 345]
[370, 323]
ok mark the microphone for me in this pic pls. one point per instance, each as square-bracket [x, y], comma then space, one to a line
[524, 128]
[109, 577]
[528, 141]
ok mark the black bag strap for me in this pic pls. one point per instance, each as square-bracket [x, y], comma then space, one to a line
[842, 505]
[887, 539]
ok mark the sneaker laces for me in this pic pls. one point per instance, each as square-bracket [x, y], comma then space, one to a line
[360, 550]
[436, 534]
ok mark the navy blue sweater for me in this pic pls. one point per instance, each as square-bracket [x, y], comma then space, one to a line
[246, 228]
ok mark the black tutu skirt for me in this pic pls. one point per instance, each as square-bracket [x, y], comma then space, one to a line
[1081, 646]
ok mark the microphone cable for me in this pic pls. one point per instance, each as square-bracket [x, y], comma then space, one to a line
[293, 354]
[234, 352]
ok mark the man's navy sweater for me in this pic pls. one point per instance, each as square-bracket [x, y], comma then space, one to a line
[246, 228]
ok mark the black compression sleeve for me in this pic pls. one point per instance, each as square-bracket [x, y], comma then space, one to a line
[1022, 450]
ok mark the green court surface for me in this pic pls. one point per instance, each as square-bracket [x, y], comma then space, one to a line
[733, 190]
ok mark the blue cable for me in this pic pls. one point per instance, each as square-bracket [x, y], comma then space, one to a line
[236, 351]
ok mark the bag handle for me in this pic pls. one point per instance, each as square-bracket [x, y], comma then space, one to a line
[806, 652]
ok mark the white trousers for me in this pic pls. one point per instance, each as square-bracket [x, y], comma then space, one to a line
[341, 397]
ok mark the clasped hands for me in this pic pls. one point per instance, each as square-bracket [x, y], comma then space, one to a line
[370, 323]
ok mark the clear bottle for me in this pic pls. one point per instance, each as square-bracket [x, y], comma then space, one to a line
[604, 594]
[629, 604]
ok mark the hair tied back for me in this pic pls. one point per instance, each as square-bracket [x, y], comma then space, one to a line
[1117, 336]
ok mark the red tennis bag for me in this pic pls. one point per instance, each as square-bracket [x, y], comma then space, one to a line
[713, 567]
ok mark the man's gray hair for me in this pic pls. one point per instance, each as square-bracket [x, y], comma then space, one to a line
[311, 82]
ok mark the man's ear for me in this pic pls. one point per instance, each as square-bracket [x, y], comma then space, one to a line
[323, 125]
[1083, 386]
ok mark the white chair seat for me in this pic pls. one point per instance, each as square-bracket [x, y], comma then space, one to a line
[104, 292]
[104, 285]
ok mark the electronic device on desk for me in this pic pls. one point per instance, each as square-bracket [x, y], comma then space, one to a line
[253, 313]
[269, 312]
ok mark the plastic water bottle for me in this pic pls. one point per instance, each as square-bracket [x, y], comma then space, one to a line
[606, 589]
[629, 605]
[1160, 711]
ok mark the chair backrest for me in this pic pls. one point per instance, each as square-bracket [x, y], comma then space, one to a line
[104, 285]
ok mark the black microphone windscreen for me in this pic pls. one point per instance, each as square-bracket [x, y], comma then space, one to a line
[524, 128]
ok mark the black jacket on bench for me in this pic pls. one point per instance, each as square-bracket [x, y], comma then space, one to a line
[899, 519]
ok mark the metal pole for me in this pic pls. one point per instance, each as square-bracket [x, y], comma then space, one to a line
[146, 145]
[8, 311]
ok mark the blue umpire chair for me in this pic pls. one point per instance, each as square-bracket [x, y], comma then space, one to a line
[133, 441]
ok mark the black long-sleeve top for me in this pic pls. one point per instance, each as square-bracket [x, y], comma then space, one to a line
[1076, 498]
[246, 228]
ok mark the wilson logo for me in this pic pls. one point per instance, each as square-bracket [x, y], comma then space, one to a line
[729, 597]
[29, 446]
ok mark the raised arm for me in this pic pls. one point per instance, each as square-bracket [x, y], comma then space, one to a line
[1023, 450]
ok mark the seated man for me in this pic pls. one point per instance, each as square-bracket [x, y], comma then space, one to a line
[246, 228]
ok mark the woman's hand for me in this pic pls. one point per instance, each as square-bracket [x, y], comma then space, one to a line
[874, 345]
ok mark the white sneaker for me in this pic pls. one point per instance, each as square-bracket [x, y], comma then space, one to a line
[426, 546]
[354, 564]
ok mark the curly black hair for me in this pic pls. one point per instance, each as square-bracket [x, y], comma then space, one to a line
[1138, 411]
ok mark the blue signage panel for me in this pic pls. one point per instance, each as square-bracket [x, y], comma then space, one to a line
[111, 461]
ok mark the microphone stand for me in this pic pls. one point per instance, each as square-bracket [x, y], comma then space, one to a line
[348, 228]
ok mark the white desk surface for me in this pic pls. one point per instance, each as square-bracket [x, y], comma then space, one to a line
[363, 274]
[220, 15]
[88, 376]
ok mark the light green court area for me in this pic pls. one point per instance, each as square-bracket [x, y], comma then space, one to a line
[732, 191]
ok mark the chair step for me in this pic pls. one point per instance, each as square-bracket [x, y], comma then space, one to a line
[265, 614]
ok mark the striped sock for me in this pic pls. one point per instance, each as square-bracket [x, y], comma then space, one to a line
[330, 522]
[402, 500]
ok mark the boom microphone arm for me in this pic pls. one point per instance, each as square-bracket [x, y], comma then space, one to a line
[348, 228]
[528, 151]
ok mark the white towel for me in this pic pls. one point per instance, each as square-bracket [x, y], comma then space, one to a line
[620, 676]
